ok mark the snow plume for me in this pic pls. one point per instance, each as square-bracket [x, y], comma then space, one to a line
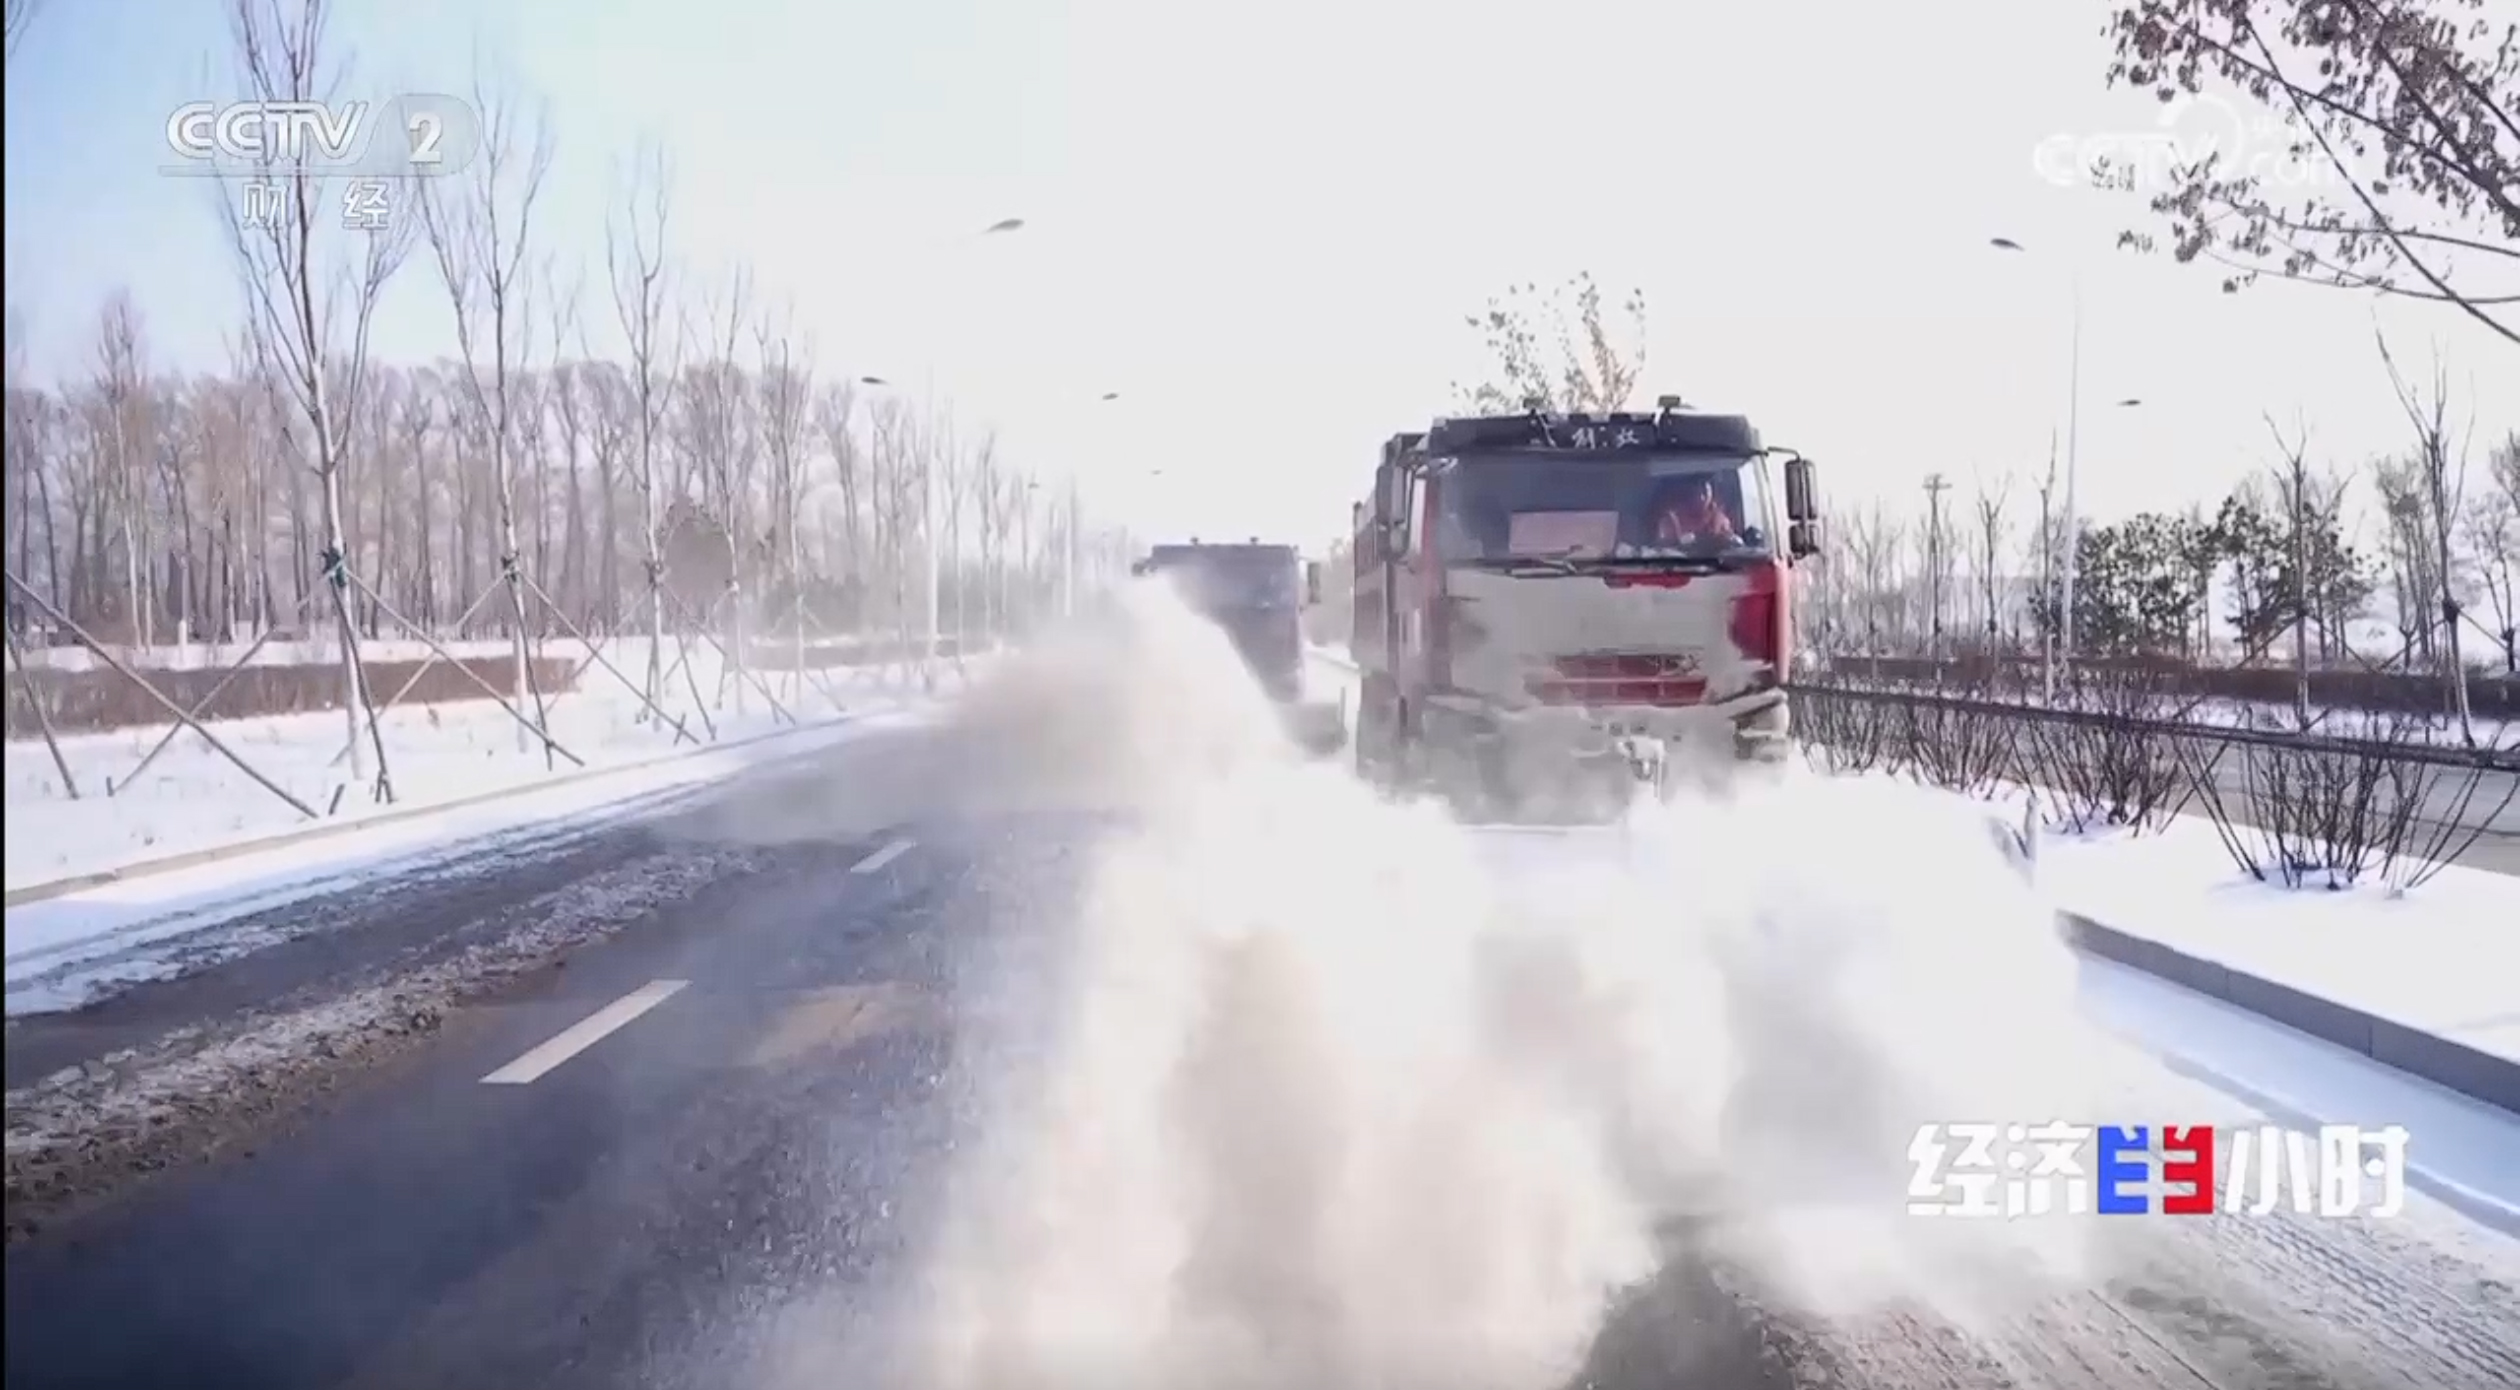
[1342, 1094]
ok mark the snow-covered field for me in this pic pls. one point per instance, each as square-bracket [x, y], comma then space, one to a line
[191, 798]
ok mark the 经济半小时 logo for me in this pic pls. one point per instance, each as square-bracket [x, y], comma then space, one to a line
[1991, 1169]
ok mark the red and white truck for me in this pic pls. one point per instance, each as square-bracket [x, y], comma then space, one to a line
[1553, 607]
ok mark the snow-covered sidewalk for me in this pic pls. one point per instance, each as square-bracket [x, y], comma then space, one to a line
[2442, 959]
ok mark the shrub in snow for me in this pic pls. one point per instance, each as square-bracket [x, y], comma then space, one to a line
[2305, 811]
[2105, 758]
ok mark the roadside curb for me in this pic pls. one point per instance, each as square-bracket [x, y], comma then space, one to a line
[2457, 1067]
[323, 830]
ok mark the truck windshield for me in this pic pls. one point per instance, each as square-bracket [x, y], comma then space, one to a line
[1225, 578]
[1570, 506]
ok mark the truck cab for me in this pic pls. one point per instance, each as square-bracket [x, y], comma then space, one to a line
[1544, 593]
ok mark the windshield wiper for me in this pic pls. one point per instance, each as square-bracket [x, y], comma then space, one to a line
[1538, 564]
[1553, 562]
[1714, 558]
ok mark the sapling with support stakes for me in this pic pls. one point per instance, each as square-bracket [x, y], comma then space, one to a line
[481, 227]
[43, 716]
[156, 696]
[201, 709]
[295, 318]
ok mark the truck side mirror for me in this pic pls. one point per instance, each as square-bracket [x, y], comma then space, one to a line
[1799, 504]
[1803, 538]
[1312, 583]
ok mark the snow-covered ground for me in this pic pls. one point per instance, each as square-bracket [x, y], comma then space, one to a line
[202, 656]
[68, 951]
[2442, 958]
[2333, 722]
[191, 798]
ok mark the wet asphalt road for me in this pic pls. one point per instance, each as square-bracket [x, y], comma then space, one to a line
[753, 1160]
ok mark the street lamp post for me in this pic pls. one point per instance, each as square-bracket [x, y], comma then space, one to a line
[1074, 535]
[932, 558]
[2068, 562]
[2060, 647]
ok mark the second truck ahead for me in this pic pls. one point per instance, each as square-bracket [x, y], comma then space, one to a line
[1257, 593]
[1548, 606]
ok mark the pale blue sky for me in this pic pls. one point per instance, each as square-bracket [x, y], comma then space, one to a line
[1262, 224]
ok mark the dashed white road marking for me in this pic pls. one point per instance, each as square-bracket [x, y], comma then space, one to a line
[881, 857]
[584, 1033]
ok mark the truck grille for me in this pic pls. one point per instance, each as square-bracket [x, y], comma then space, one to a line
[1621, 680]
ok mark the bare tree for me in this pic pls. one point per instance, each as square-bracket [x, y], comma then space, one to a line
[567, 395]
[1024, 500]
[1993, 532]
[2292, 483]
[1557, 348]
[297, 300]
[123, 410]
[21, 13]
[992, 486]
[787, 399]
[2506, 468]
[30, 421]
[1873, 541]
[835, 414]
[719, 444]
[2491, 530]
[2412, 106]
[900, 484]
[954, 486]
[2428, 412]
[481, 227]
[2494, 530]
[640, 286]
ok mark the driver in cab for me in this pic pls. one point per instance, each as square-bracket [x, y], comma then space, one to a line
[1688, 512]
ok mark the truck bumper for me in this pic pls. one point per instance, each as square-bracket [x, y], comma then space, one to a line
[1759, 723]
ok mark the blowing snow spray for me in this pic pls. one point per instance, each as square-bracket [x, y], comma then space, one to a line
[1341, 1094]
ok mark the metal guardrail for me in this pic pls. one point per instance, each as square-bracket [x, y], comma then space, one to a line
[2406, 751]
